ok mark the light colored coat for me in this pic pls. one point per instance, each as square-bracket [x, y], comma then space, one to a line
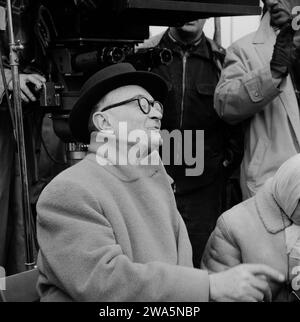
[246, 92]
[243, 236]
[261, 231]
[113, 233]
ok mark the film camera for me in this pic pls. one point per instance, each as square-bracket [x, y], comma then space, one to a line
[79, 37]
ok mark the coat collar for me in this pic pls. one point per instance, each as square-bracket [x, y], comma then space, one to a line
[127, 173]
[270, 213]
[148, 166]
[265, 33]
[264, 40]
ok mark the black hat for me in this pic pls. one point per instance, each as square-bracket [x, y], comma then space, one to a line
[103, 82]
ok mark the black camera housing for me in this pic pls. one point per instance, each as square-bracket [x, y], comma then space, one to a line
[83, 39]
[128, 20]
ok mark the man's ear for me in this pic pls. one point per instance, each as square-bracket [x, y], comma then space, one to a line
[101, 122]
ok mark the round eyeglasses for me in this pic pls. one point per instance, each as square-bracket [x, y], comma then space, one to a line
[144, 103]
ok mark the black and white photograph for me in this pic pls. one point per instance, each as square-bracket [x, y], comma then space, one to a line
[149, 155]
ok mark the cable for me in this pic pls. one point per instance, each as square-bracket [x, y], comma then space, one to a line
[7, 93]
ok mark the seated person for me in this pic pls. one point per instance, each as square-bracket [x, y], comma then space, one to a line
[264, 229]
[108, 227]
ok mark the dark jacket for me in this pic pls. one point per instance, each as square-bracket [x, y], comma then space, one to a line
[192, 78]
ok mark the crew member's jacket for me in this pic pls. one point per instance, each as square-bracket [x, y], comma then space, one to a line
[246, 92]
[192, 77]
[113, 233]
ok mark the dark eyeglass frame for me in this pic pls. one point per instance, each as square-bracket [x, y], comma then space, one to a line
[138, 98]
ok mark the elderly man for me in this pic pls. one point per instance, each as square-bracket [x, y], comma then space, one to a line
[258, 86]
[108, 227]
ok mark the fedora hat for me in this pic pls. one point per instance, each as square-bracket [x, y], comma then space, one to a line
[103, 82]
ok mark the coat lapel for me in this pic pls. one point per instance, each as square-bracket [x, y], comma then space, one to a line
[270, 213]
[290, 103]
[264, 41]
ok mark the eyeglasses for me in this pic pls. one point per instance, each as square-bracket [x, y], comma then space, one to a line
[144, 104]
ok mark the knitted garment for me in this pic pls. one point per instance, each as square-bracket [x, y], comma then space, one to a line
[113, 233]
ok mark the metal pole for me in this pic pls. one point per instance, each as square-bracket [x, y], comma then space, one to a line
[218, 35]
[231, 29]
[27, 216]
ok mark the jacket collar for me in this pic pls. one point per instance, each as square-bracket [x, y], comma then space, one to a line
[163, 39]
[199, 48]
[270, 213]
[265, 32]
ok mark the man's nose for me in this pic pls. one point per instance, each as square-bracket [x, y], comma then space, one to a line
[155, 113]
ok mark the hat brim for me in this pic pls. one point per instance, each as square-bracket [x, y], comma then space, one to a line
[80, 113]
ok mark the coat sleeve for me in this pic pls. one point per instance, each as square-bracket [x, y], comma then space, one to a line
[221, 251]
[80, 255]
[184, 252]
[242, 92]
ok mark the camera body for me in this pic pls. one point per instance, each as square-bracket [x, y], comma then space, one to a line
[80, 37]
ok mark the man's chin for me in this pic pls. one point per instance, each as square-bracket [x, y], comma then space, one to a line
[279, 21]
[188, 29]
[155, 140]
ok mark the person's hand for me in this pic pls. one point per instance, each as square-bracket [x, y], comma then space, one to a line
[244, 283]
[284, 53]
[26, 94]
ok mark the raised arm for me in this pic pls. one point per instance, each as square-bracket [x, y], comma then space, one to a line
[242, 92]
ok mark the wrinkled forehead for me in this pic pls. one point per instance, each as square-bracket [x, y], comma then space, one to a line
[126, 92]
